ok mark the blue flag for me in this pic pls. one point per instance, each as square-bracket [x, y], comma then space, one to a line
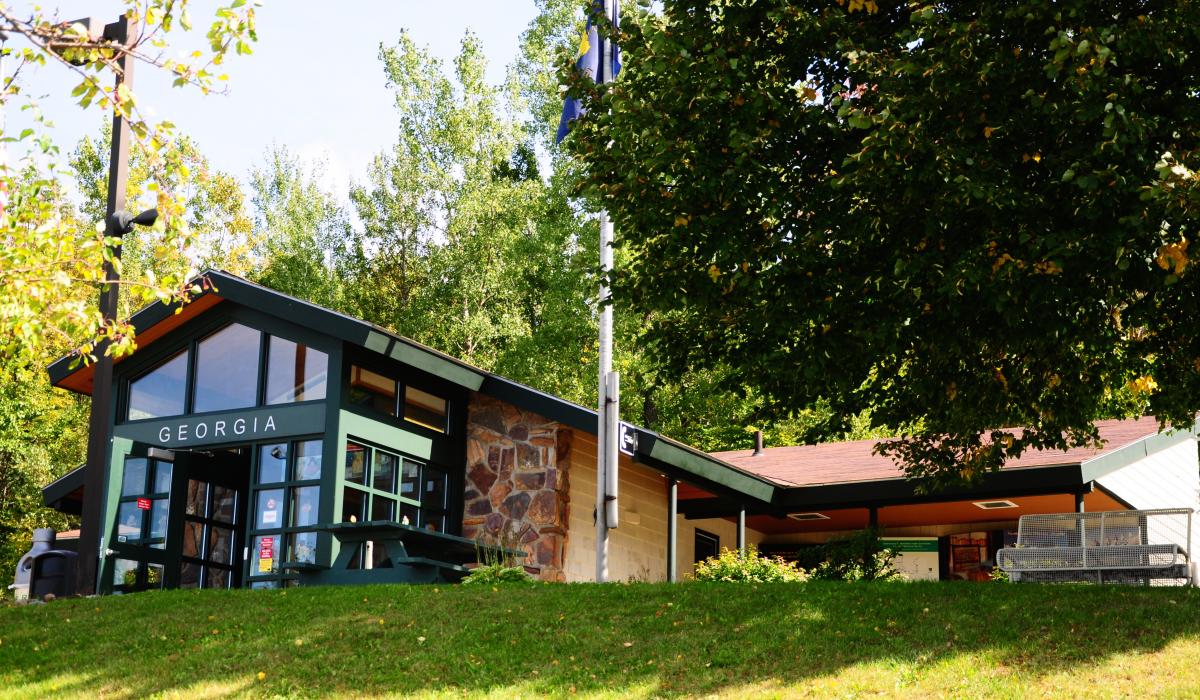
[591, 58]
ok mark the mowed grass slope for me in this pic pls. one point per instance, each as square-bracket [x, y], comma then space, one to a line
[621, 641]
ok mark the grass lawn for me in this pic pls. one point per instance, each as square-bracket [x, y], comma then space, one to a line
[621, 641]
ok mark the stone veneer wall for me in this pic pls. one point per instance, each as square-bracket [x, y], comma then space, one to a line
[517, 485]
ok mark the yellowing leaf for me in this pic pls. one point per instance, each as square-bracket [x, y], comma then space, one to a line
[1173, 256]
[1143, 385]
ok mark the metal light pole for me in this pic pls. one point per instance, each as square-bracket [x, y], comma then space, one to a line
[609, 385]
[117, 223]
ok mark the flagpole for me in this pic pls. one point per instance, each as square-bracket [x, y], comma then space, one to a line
[605, 453]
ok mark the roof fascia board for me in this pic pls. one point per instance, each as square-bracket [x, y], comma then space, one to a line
[303, 313]
[421, 359]
[1060, 478]
[155, 313]
[734, 498]
[706, 467]
[1109, 462]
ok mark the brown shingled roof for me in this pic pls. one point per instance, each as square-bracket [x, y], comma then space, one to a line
[841, 462]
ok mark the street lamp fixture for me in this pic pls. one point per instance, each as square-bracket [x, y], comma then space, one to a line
[122, 222]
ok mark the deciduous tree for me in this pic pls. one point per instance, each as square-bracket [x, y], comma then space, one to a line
[960, 216]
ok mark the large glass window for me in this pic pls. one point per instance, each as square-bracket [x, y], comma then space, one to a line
[372, 390]
[379, 393]
[287, 499]
[295, 372]
[161, 391]
[225, 376]
[424, 409]
[227, 369]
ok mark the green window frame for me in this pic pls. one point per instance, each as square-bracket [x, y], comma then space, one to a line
[147, 483]
[283, 510]
[378, 484]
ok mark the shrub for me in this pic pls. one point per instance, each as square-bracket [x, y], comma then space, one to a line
[496, 553]
[497, 573]
[751, 567]
[859, 557]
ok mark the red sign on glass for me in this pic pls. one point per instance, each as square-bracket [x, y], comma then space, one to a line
[143, 504]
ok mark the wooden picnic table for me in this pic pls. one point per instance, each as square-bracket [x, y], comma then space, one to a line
[411, 555]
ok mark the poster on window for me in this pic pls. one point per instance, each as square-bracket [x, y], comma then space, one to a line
[969, 557]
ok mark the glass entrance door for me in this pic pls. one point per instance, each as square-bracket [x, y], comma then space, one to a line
[139, 551]
[213, 532]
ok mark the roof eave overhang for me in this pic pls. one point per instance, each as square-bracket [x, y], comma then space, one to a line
[223, 285]
[674, 459]
[1028, 481]
[684, 463]
[1109, 462]
[56, 494]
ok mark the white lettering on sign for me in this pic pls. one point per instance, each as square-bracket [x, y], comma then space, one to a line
[202, 430]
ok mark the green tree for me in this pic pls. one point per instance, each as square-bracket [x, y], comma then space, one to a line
[41, 428]
[299, 227]
[463, 246]
[956, 216]
[51, 257]
[42, 435]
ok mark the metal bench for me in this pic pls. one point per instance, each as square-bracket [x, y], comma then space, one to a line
[1147, 547]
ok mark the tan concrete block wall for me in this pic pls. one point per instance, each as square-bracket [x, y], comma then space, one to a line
[637, 548]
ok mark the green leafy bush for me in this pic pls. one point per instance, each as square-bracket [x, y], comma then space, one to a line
[751, 567]
[497, 573]
[859, 557]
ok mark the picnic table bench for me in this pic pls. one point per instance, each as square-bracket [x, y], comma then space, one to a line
[410, 555]
[1133, 546]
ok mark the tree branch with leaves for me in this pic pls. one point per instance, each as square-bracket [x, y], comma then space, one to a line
[51, 263]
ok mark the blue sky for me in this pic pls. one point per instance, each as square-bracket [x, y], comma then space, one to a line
[314, 83]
